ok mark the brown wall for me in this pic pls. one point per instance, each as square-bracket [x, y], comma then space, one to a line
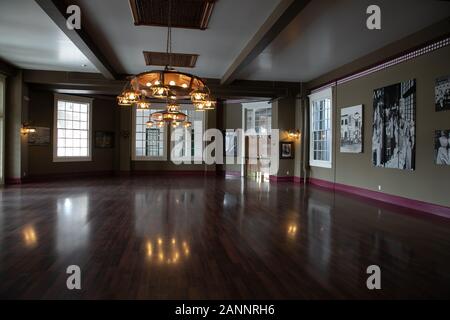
[283, 118]
[13, 122]
[429, 182]
[40, 158]
[232, 120]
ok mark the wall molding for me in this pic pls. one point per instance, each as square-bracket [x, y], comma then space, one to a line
[170, 172]
[69, 175]
[281, 178]
[13, 181]
[413, 204]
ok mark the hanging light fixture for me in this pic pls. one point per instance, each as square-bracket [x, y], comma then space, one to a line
[143, 104]
[128, 96]
[168, 84]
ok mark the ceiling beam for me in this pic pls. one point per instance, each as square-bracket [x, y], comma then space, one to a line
[92, 83]
[6, 68]
[283, 14]
[56, 10]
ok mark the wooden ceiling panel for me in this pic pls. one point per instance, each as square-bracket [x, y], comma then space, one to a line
[191, 14]
[181, 60]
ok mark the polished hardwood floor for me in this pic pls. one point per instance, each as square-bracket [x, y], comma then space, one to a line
[213, 238]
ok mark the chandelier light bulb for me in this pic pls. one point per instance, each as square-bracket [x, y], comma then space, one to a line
[187, 124]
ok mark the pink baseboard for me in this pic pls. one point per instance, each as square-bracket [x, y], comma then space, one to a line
[384, 197]
[171, 172]
[67, 175]
[13, 181]
[298, 180]
[232, 173]
[281, 179]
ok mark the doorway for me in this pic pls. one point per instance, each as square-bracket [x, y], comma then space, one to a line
[257, 120]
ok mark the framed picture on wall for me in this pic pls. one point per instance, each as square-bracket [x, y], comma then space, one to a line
[394, 126]
[104, 139]
[351, 129]
[442, 93]
[41, 137]
[442, 147]
[286, 150]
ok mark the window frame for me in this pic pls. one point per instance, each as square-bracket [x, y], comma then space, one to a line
[250, 109]
[155, 106]
[76, 99]
[193, 158]
[326, 93]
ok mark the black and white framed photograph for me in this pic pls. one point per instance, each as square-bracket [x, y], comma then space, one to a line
[40, 137]
[286, 150]
[104, 139]
[351, 129]
[442, 147]
[394, 116]
[442, 93]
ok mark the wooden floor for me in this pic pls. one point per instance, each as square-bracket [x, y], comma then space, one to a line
[213, 238]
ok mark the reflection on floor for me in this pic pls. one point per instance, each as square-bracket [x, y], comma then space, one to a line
[199, 238]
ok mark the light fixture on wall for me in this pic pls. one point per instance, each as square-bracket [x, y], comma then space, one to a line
[294, 134]
[169, 85]
[27, 129]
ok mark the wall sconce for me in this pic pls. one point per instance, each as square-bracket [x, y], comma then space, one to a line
[26, 129]
[294, 134]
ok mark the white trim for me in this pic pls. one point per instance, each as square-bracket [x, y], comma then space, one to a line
[133, 137]
[70, 98]
[326, 93]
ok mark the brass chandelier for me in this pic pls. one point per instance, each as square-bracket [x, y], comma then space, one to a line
[169, 85]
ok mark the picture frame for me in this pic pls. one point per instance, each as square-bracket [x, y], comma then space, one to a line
[394, 122]
[41, 137]
[441, 147]
[286, 150]
[104, 139]
[352, 137]
[442, 93]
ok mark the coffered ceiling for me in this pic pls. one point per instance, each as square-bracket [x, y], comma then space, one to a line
[272, 40]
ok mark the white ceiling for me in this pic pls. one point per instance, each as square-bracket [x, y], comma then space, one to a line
[30, 40]
[233, 23]
[328, 34]
[325, 35]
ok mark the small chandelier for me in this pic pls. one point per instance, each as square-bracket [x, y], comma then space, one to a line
[128, 96]
[143, 104]
[168, 116]
[168, 84]
[202, 100]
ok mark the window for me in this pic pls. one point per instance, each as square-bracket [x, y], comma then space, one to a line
[320, 129]
[72, 128]
[149, 143]
[189, 141]
[258, 118]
